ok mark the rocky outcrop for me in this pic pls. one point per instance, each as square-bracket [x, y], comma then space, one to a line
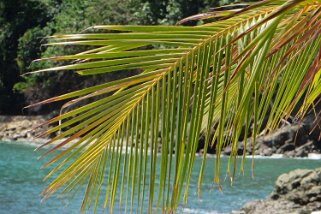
[21, 128]
[289, 140]
[298, 191]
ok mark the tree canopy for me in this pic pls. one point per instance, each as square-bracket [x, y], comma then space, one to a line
[24, 35]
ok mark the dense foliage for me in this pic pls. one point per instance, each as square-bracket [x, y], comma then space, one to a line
[26, 24]
[18, 23]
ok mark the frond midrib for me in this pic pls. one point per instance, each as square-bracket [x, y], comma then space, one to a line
[187, 55]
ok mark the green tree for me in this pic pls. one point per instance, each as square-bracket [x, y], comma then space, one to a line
[66, 16]
[23, 35]
[221, 75]
[17, 18]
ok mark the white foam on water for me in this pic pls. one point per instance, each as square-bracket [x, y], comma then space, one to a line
[24, 143]
[314, 156]
[199, 211]
[36, 143]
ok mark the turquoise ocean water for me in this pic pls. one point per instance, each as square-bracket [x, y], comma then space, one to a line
[21, 183]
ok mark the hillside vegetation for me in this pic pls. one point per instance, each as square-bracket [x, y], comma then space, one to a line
[26, 25]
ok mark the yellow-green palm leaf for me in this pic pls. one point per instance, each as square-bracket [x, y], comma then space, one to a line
[223, 74]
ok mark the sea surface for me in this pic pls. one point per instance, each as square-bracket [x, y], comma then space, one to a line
[21, 183]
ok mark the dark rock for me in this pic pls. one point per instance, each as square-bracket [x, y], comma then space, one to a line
[262, 149]
[298, 191]
[211, 149]
[279, 137]
[283, 207]
[290, 140]
[201, 152]
[285, 148]
[228, 150]
[301, 136]
[290, 154]
[301, 153]
[267, 152]
[314, 193]
[316, 147]
[309, 125]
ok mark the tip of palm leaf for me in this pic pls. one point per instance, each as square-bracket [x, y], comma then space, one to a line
[86, 30]
[48, 58]
[37, 149]
[223, 12]
[43, 167]
[41, 59]
[36, 72]
[220, 187]
[47, 176]
[44, 199]
[43, 145]
[218, 182]
[102, 26]
[41, 134]
[232, 180]
[231, 6]
[57, 36]
[50, 100]
[97, 27]
[26, 74]
[253, 175]
[208, 15]
[226, 176]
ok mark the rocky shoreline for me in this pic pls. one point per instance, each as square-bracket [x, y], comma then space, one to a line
[287, 141]
[22, 128]
[297, 139]
[298, 192]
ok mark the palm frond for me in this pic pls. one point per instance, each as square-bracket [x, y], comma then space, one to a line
[223, 74]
